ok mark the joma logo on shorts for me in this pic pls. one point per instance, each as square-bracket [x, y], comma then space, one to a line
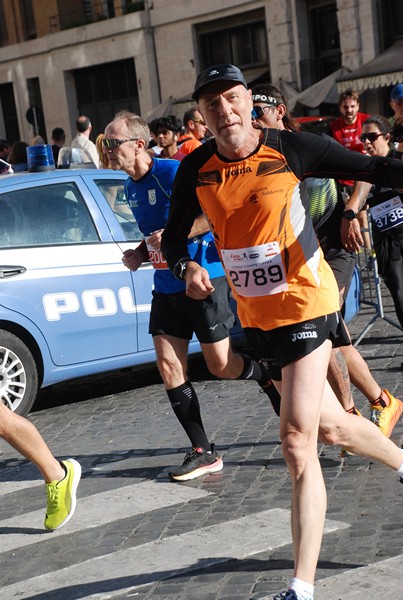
[234, 172]
[303, 335]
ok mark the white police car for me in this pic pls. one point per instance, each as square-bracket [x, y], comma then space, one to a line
[68, 306]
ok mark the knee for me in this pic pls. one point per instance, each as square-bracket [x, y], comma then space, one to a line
[332, 435]
[225, 365]
[169, 369]
[7, 422]
[218, 368]
[298, 449]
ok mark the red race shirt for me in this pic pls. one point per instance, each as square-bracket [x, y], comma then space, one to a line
[348, 135]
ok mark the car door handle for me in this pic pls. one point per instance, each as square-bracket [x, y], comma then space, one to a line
[10, 271]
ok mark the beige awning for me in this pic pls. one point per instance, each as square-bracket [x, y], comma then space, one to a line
[252, 75]
[322, 91]
[171, 106]
[289, 92]
[383, 71]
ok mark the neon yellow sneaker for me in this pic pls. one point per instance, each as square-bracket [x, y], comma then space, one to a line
[386, 417]
[62, 496]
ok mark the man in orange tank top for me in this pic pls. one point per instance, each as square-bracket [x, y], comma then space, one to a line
[247, 183]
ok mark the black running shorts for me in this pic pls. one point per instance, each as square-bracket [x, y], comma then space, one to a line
[284, 345]
[180, 316]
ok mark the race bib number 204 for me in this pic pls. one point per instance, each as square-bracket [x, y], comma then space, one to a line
[256, 271]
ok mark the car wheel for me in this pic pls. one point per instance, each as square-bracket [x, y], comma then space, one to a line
[18, 374]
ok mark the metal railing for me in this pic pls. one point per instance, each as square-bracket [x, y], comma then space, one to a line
[371, 292]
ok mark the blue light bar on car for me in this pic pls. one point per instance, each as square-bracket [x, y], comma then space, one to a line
[40, 158]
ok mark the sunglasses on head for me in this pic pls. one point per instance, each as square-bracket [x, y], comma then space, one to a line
[258, 111]
[110, 143]
[371, 137]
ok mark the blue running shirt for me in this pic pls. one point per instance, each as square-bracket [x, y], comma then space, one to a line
[149, 199]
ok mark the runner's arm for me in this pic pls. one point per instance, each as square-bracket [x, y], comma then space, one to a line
[350, 231]
[184, 209]
[310, 155]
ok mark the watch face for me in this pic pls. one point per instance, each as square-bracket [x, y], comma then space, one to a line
[349, 215]
[180, 269]
[177, 270]
[183, 269]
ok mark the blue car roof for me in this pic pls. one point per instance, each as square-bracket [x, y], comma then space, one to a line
[26, 177]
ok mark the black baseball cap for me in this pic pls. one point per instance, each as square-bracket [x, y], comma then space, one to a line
[218, 73]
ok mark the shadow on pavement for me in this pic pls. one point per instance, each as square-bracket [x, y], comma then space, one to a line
[108, 384]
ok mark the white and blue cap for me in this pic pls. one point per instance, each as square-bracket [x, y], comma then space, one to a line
[223, 72]
[260, 97]
[397, 92]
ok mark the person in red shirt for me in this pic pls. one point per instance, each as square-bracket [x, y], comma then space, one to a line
[347, 130]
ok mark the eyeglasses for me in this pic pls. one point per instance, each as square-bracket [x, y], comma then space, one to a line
[199, 121]
[371, 137]
[258, 111]
[110, 143]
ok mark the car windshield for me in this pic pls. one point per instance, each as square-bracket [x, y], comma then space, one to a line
[114, 193]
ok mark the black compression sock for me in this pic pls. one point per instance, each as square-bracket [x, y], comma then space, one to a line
[251, 370]
[258, 372]
[186, 407]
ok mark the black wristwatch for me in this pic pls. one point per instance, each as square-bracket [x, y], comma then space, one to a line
[179, 269]
[349, 214]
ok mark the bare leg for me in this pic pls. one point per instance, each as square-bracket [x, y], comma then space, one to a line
[338, 373]
[299, 422]
[222, 361]
[23, 436]
[356, 434]
[171, 359]
[360, 375]
[172, 364]
[338, 377]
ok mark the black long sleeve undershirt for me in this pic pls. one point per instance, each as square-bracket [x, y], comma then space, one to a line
[306, 154]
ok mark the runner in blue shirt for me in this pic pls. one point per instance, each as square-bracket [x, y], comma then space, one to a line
[175, 317]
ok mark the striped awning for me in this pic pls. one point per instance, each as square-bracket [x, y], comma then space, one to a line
[383, 71]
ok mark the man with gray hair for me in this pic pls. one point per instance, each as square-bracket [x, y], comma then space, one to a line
[174, 316]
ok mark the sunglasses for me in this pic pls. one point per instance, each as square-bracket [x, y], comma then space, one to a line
[258, 111]
[199, 121]
[110, 143]
[371, 137]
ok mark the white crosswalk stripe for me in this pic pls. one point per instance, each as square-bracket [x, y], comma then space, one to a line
[154, 561]
[125, 571]
[380, 580]
[103, 508]
[8, 487]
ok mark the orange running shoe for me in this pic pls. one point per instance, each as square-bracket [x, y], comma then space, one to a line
[386, 417]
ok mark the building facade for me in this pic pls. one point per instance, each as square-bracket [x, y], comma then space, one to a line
[61, 59]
